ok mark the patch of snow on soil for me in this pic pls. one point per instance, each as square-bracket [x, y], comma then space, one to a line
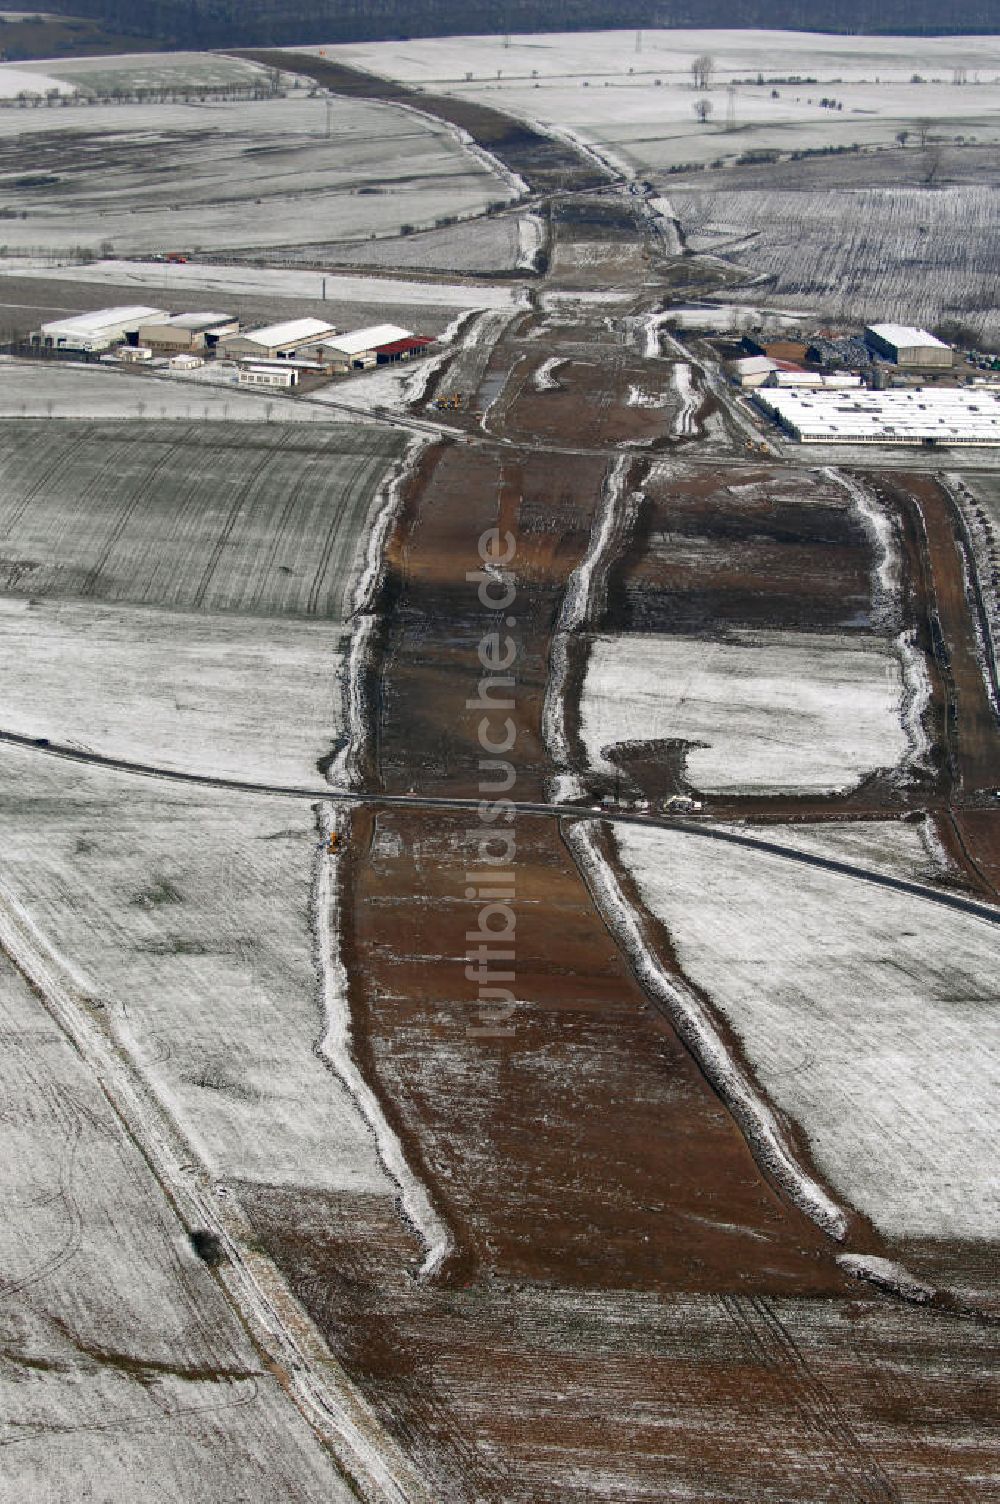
[680, 375]
[544, 379]
[531, 239]
[637, 397]
[764, 711]
[886, 1273]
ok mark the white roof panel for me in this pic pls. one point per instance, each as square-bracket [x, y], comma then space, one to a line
[105, 318]
[953, 414]
[904, 336]
[288, 333]
[356, 340]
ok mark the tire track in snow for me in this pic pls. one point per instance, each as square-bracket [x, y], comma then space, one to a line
[860, 1478]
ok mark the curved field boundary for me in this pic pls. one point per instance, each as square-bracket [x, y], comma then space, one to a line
[543, 162]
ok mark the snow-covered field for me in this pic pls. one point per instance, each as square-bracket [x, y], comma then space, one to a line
[31, 78]
[122, 1360]
[596, 85]
[212, 175]
[30, 389]
[259, 520]
[270, 282]
[145, 70]
[765, 712]
[891, 847]
[188, 917]
[480, 245]
[241, 697]
[914, 253]
[869, 1016]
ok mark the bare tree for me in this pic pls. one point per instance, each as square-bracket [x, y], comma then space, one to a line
[702, 69]
[923, 129]
[931, 164]
[703, 109]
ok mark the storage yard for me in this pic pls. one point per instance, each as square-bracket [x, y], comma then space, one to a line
[500, 835]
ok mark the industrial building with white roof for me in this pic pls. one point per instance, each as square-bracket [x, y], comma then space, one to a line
[918, 415]
[90, 332]
[278, 340]
[908, 346]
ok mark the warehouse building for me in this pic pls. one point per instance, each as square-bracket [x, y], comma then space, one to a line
[752, 370]
[359, 349]
[758, 370]
[89, 333]
[907, 346]
[938, 415]
[279, 341]
[184, 333]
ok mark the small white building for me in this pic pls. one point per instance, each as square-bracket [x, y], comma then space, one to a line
[818, 380]
[907, 346]
[92, 332]
[133, 355]
[269, 376]
[752, 370]
[186, 362]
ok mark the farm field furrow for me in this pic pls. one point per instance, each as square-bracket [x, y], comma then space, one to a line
[215, 175]
[269, 519]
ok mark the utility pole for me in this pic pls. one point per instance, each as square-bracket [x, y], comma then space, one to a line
[329, 117]
[730, 107]
[638, 41]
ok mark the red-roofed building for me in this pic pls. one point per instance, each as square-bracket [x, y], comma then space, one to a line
[402, 349]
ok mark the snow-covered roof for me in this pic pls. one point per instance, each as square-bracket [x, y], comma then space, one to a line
[105, 318]
[273, 335]
[947, 415]
[752, 365]
[196, 321]
[376, 335]
[905, 336]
